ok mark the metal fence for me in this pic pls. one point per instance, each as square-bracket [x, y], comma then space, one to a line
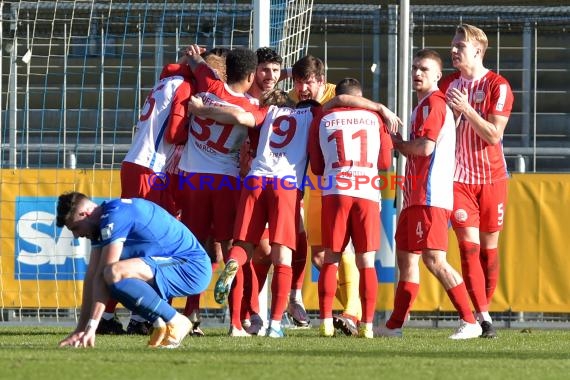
[71, 103]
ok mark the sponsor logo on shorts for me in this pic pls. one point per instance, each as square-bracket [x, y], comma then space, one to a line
[460, 215]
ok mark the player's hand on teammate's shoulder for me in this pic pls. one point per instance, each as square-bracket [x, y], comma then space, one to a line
[393, 122]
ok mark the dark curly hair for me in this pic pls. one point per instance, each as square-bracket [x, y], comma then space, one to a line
[266, 54]
[240, 63]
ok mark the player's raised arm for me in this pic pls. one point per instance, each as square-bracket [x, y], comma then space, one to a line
[193, 58]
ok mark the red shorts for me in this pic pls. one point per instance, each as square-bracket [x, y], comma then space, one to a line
[422, 227]
[480, 206]
[138, 181]
[172, 196]
[208, 203]
[345, 217]
[266, 201]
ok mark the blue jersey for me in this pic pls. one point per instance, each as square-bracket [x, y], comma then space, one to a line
[146, 230]
[179, 264]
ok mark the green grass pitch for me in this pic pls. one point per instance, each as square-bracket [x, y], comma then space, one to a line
[32, 353]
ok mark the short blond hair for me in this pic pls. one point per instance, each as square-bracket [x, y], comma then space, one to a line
[217, 63]
[472, 33]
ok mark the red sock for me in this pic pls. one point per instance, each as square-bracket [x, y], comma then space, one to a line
[327, 289]
[111, 305]
[406, 294]
[238, 254]
[261, 270]
[491, 265]
[215, 267]
[299, 261]
[234, 301]
[250, 300]
[473, 274]
[459, 298]
[368, 292]
[192, 303]
[280, 286]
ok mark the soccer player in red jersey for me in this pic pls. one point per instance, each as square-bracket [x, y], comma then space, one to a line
[255, 271]
[482, 102]
[210, 159]
[163, 123]
[271, 195]
[347, 147]
[211, 155]
[216, 59]
[427, 201]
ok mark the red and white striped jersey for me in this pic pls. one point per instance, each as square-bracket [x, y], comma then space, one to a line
[213, 147]
[429, 180]
[282, 148]
[478, 162]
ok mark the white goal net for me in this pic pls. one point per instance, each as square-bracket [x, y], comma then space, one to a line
[74, 75]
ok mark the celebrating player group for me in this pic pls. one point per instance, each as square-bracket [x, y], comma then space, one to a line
[218, 170]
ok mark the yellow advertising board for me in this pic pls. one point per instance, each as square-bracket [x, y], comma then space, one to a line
[43, 266]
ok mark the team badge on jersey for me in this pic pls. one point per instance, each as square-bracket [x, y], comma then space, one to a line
[107, 231]
[460, 215]
[479, 96]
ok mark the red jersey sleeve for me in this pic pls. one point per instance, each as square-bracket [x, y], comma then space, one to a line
[386, 146]
[205, 77]
[258, 114]
[433, 114]
[444, 83]
[177, 130]
[315, 154]
[501, 97]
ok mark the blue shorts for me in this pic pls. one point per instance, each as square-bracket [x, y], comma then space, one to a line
[180, 276]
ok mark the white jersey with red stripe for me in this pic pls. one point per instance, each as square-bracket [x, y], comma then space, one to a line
[149, 147]
[429, 179]
[213, 147]
[349, 139]
[478, 162]
[282, 147]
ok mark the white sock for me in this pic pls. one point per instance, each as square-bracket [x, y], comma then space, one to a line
[108, 316]
[275, 325]
[484, 316]
[295, 295]
[158, 323]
